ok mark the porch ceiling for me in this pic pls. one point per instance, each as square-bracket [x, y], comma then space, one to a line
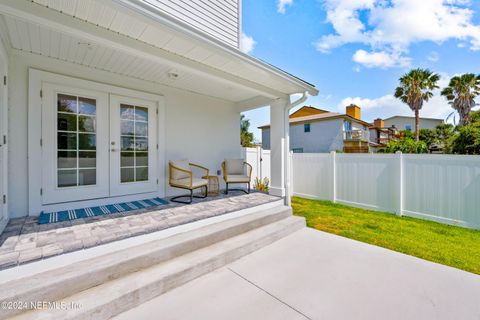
[148, 49]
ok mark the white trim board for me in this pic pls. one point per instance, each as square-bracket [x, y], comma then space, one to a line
[35, 80]
[4, 133]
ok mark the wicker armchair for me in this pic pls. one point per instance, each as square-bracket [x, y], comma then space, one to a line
[181, 176]
[236, 171]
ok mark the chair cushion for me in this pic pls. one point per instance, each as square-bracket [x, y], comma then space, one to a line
[177, 174]
[196, 182]
[237, 178]
[234, 166]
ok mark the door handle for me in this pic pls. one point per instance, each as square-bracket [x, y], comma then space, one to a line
[113, 149]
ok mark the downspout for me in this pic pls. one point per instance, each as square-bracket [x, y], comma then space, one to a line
[286, 124]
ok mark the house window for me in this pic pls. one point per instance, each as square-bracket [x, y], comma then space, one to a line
[306, 127]
[408, 128]
[297, 150]
[348, 126]
[134, 136]
[76, 141]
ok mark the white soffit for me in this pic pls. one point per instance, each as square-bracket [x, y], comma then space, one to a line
[29, 37]
[112, 16]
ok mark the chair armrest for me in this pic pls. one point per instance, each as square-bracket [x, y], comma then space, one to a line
[249, 169]
[224, 171]
[200, 167]
[172, 167]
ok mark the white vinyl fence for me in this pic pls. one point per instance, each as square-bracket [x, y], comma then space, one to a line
[259, 159]
[444, 188]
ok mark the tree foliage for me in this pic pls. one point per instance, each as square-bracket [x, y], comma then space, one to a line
[461, 93]
[416, 88]
[246, 137]
[405, 145]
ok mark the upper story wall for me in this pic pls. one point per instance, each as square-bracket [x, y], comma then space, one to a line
[403, 123]
[324, 136]
[220, 19]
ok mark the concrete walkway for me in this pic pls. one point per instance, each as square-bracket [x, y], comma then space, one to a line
[315, 275]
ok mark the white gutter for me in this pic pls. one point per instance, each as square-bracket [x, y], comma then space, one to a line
[286, 117]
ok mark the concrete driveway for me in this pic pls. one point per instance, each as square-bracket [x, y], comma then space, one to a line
[316, 275]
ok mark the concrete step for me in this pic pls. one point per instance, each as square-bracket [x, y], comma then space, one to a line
[119, 295]
[58, 283]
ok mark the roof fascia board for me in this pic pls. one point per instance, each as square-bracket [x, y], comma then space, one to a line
[140, 7]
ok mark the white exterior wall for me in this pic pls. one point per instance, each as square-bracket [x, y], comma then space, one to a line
[218, 18]
[199, 128]
[324, 136]
[401, 123]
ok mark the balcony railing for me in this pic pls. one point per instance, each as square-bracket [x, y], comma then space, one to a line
[357, 135]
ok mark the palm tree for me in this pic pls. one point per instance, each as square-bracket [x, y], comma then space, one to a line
[461, 93]
[246, 137]
[416, 88]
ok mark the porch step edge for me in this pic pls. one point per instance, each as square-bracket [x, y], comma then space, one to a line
[70, 279]
[119, 295]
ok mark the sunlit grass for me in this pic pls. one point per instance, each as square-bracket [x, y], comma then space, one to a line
[453, 246]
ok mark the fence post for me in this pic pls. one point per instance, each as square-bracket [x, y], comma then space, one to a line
[333, 156]
[399, 156]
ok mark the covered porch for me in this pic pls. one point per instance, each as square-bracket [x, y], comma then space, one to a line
[119, 62]
[24, 240]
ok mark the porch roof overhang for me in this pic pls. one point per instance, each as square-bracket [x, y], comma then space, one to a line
[127, 37]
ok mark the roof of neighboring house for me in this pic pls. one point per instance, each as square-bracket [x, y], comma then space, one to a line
[319, 115]
[408, 117]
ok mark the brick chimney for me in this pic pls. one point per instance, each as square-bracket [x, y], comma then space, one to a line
[378, 123]
[353, 111]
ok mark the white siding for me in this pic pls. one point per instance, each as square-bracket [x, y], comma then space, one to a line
[401, 123]
[210, 138]
[218, 18]
[324, 136]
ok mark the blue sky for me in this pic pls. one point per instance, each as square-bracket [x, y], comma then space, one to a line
[355, 50]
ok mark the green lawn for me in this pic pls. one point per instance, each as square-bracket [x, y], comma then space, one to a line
[448, 245]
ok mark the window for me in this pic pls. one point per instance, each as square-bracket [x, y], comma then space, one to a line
[347, 126]
[306, 127]
[134, 142]
[297, 150]
[408, 127]
[76, 141]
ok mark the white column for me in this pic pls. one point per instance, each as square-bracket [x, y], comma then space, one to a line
[279, 146]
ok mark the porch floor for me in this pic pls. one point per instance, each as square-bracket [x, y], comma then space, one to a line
[24, 240]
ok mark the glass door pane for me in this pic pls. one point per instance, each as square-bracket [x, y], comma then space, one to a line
[134, 143]
[76, 141]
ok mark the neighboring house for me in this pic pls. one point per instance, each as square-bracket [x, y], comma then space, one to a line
[315, 130]
[408, 123]
[102, 94]
[380, 135]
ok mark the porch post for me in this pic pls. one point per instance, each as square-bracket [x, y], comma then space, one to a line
[279, 146]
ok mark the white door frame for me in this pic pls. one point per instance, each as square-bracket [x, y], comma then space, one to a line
[35, 165]
[3, 137]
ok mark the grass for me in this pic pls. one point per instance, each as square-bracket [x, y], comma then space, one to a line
[452, 246]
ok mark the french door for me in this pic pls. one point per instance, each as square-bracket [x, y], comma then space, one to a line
[133, 160]
[95, 145]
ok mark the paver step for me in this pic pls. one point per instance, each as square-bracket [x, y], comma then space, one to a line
[118, 295]
[58, 283]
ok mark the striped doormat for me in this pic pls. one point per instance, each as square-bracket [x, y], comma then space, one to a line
[59, 216]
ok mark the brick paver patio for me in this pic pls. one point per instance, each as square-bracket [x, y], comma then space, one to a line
[24, 240]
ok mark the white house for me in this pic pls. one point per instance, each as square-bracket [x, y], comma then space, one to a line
[408, 123]
[314, 130]
[97, 96]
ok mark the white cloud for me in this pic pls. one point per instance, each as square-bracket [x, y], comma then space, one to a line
[380, 59]
[392, 26]
[282, 4]
[433, 56]
[387, 106]
[247, 44]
